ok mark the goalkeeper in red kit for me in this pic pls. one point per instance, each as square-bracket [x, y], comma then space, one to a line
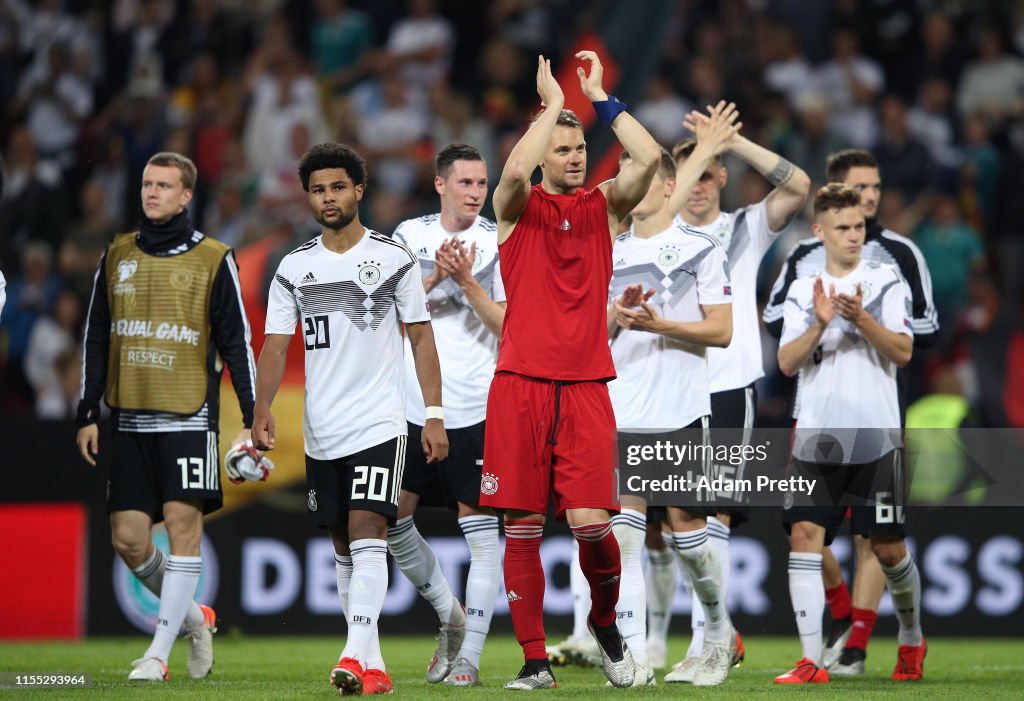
[551, 430]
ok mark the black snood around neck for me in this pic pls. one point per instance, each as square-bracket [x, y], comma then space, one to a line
[162, 239]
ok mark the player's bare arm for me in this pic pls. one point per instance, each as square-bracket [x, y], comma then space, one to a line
[428, 373]
[791, 184]
[457, 262]
[897, 347]
[794, 354]
[714, 132]
[626, 190]
[269, 372]
[513, 188]
[714, 330]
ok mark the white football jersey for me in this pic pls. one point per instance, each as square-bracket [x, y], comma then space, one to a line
[848, 401]
[663, 382]
[746, 237]
[349, 306]
[467, 350]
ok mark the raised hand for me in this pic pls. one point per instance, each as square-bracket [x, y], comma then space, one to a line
[718, 129]
[634, 296]
[824, 310]
[850, 307]
[591, 84]
[547, 87]
[456, 260]
[646, 318]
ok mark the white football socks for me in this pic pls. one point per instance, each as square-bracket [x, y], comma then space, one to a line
[718, 538]
[418, 562]
[181, 576]
[705, 574]
[151, 574]
[343, 567]
[807, 592]
[482, 583]
[630, 528]
[904, 582]
[661, 589]
[367, 589]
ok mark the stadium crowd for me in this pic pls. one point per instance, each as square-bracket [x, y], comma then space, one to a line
[90, 90]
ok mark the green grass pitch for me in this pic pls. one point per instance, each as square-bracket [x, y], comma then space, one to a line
[297, 668]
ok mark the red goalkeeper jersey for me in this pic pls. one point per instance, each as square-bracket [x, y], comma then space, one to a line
[556, 266]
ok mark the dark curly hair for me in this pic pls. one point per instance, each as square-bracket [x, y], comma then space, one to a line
[329, 156]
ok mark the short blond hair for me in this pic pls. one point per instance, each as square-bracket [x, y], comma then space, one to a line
[835, 196]
[170, 159]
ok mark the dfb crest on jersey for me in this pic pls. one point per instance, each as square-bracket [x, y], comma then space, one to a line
[369, 272]
[488, 483]
[311, 501]
[668, 257]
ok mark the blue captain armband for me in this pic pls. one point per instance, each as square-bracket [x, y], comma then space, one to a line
[608, 109]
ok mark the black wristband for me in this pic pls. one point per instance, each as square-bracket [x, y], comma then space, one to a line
[87, 414]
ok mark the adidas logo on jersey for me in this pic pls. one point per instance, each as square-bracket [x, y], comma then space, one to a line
[565, 226]
[308, 279]
[423, 253]
[512, 596]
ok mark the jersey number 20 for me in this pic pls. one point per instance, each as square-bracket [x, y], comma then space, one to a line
[318, 332]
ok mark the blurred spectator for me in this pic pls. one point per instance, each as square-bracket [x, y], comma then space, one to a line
[786, 70]
[930, 122]
[55, 102]
[283, 94]
[198, 92]
[706, 86]
[991, 329]
[993, 84]
[29, 297]
[53, 337]
[202, 29]
[662, 111]
[388, 140]
[227, 219]
[981, 164]
[342, 119]
[904, 162]
[851, 82]
[280, 189]
[814, 141]
[34, 204]
[91, 231]
[952, 249]
[111, 173]
[43, 23]
[455, 122]
[526, 23]
[138, 26]
[421, 45]
[507, 89]
[387, 210]
[941, 57]
[342, 42]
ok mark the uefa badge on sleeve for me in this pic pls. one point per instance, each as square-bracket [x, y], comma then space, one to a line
[488, 484]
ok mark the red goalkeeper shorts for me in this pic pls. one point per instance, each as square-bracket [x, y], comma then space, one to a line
[545, 436]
